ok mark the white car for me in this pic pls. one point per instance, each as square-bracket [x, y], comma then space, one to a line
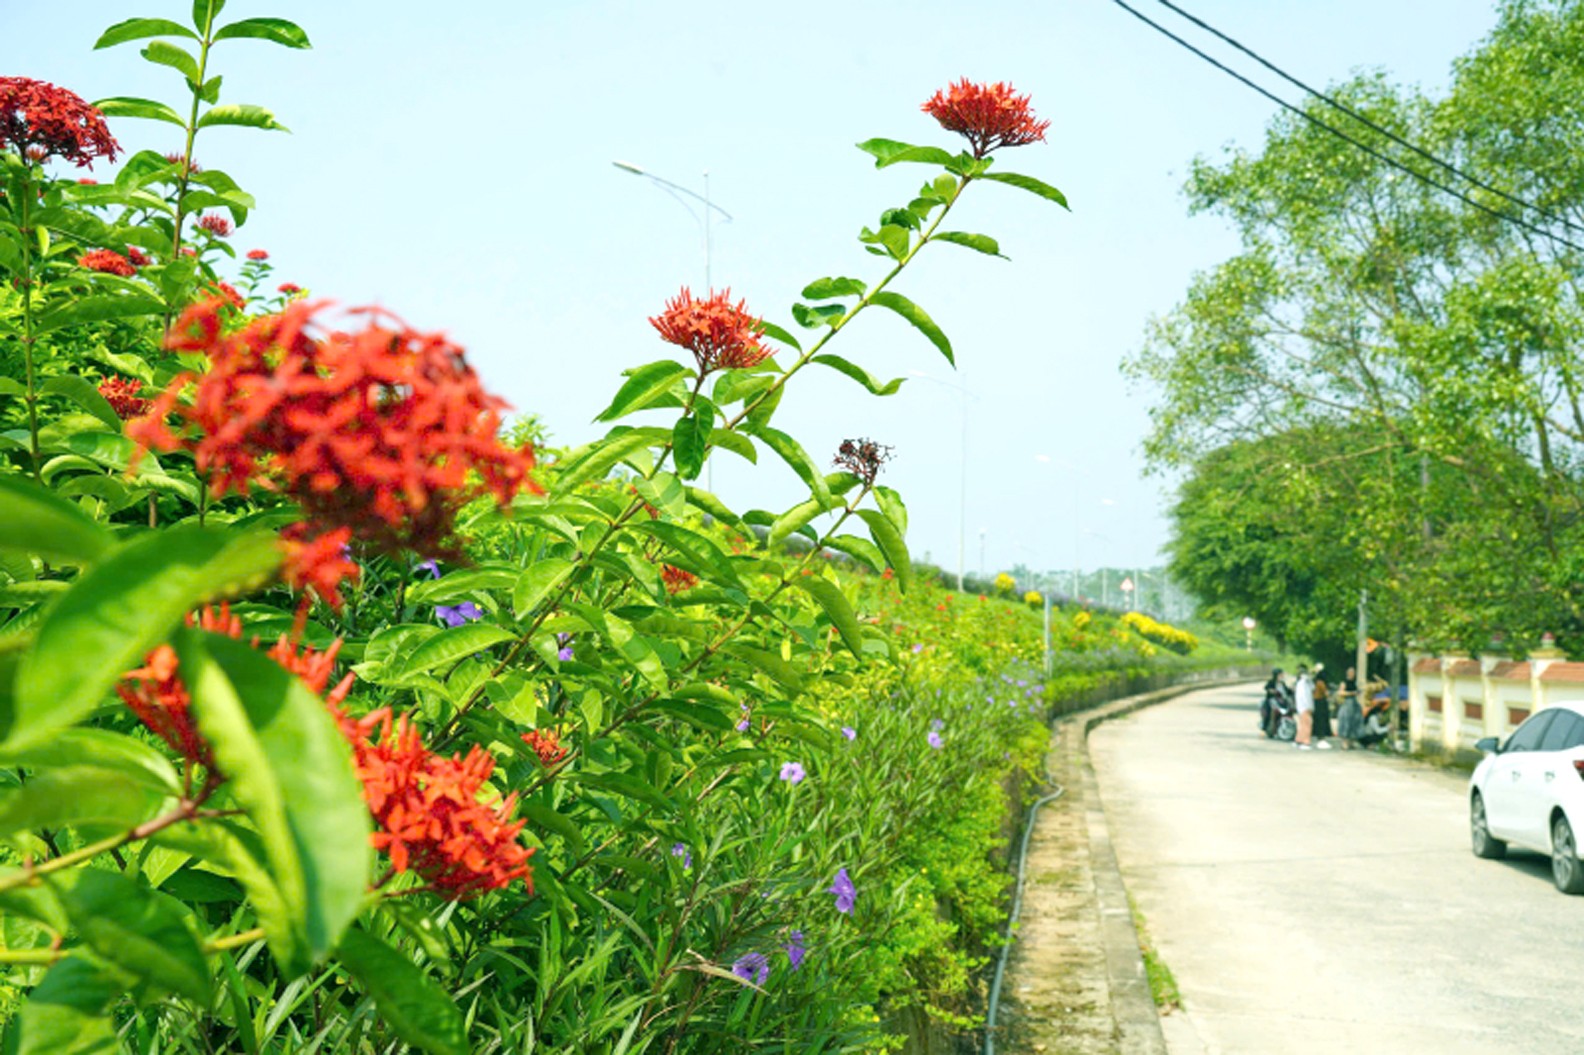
[1530, 792]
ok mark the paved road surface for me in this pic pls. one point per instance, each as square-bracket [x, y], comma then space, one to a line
[1327, 901]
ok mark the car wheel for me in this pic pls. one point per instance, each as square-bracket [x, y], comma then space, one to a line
[1485, 844]
[1565, 867]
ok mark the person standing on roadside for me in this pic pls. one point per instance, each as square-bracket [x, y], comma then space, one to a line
[1350, 719]
[1303, 695]
[1322, 710]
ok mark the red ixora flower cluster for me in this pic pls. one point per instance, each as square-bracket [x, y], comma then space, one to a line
[38, 120]
[122, 395]
[386, 431]
[107, 260]
[216, 225]
[427, 812]
[546, 743]
[677, 579]
[721, 336]
[989, 116]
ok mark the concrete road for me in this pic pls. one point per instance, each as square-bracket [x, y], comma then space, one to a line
[1327, 901]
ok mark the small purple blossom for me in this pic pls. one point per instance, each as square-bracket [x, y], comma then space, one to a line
[935, 740]
[430, 566]
[844, 890]
[937, 725]
[795, 949]
[752, 967]
[792, 772]
[681, 850]
[456, 615]
[565, 654]
[743, 724]
[849, 732]
[918, 648]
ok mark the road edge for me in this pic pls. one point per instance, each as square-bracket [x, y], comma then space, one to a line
[1138, 1022]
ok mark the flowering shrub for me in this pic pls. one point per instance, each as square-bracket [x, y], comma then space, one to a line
[1004, 583]
[1179, 641]
[552, 753]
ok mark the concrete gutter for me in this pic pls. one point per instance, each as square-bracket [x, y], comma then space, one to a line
[1132, 1007]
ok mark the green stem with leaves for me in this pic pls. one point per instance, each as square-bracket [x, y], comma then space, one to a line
[28, 337]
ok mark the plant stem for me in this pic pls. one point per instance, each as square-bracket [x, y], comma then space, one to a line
[28, 339]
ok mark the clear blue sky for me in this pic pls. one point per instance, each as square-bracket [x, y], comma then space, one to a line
[453, 163]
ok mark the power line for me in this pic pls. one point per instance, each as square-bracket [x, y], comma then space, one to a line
[1361, 119]
[1371, 151]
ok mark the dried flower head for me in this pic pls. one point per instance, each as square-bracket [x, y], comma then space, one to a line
[989, 116]
[721, 336]
[216, 225]
[39, 120]
[386, 431]
[122, 395]
[107, 260]
[863, 458]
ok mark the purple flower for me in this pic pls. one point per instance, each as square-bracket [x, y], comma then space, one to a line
[934, 740]
[752, 967]
[918, 648]
[792, 772]
[937, 725]
[681, 850]
[743, 724]
[456, 615]
[849, 732]
[432, 567]
[565, 654]
[795, 950]
[844, 890]
[1022, 684]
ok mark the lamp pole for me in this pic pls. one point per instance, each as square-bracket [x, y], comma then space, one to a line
[676, 190]
[962, 484]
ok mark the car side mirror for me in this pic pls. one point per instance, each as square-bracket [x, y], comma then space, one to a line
[1490, 745]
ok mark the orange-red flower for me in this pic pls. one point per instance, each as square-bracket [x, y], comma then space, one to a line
[138, 257]
[122, 395]
[108, 261]
[676, 579]
[546, 743]
[427, 811]
[386, 431]
[158, 696]
[38, 119]
[989, 116]
[721, 336]
[318, 560]
[257, 254]
[229, 294]
[216, 225]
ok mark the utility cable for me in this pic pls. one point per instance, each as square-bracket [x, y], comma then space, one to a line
[1371, 151]
[1366, 122]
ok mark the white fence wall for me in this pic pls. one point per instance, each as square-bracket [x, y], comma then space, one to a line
[1454, 700]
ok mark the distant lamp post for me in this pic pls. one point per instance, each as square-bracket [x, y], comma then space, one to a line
[675, 190]
[1127, 588]
[1248, 633]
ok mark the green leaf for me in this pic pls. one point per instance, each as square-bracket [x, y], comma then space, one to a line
[918, 317]
[794, 520]
[165, 54]
[795, 456]
[136, 929]
[120, 609]
[275, 30]
[291, 769]
[68, 1013]
[737, 443]
[82, 392]
[458, 584]
[409, 1001]
[699, 549]
[690, 442]
[127, 106]
[782, 672]
[598, 458]
[42, 524]
[642, 387]
[890, 504]
[537, 580]
[826, 288]
[448, 646]
[245, 114]
[101, 749]
[1030, 184]
[238, 852]
[99, 308]
[77, 795]
[891, 152]
[770, 329]
[142, 29]
[812, 318]
[859, 548]
[204, 12]
[980, 242]
[709, 503]
[837, 607]
[859, 374]
[890, 542]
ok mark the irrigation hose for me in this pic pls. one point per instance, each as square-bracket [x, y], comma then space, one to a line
[1017, 908]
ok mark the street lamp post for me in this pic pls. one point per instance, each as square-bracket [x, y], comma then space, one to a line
[1248, 633]
[962, 485]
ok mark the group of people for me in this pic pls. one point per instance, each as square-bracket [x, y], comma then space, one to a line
[1308, 702]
